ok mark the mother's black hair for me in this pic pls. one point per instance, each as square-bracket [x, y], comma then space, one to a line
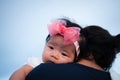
[99, 44]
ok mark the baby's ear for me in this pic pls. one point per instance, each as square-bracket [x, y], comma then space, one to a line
[117, 42]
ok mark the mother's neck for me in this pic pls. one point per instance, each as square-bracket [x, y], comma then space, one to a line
[90, 63]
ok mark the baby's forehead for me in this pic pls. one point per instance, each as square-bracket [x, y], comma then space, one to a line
[60, 44]
[56, 39]
[56, 44]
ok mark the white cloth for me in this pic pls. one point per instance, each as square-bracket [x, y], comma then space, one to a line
[115, 69]
[114, 75]
[34, 61]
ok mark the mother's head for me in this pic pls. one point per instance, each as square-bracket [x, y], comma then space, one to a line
[99, 45]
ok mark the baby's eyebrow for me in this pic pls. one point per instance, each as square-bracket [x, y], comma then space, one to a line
[65, 50]
[52, 43]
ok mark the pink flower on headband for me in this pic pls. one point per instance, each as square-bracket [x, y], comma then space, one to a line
[70, 34]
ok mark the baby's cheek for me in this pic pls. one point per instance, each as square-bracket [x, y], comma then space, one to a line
[69, 60]
[44, 58]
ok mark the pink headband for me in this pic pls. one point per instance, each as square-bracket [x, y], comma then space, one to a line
[71, 34]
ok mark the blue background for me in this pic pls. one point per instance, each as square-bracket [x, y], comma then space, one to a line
[23, 26]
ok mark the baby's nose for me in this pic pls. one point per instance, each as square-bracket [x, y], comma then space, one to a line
[55, 55]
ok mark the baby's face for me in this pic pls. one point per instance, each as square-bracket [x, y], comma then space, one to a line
[57, 52]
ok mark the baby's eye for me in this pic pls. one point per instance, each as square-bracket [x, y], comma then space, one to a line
[64, 54]
[51, 47]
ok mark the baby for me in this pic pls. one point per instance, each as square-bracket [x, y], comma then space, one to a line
[62, 46]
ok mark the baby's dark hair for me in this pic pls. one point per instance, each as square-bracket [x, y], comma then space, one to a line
[68, 23]
[99, 45]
